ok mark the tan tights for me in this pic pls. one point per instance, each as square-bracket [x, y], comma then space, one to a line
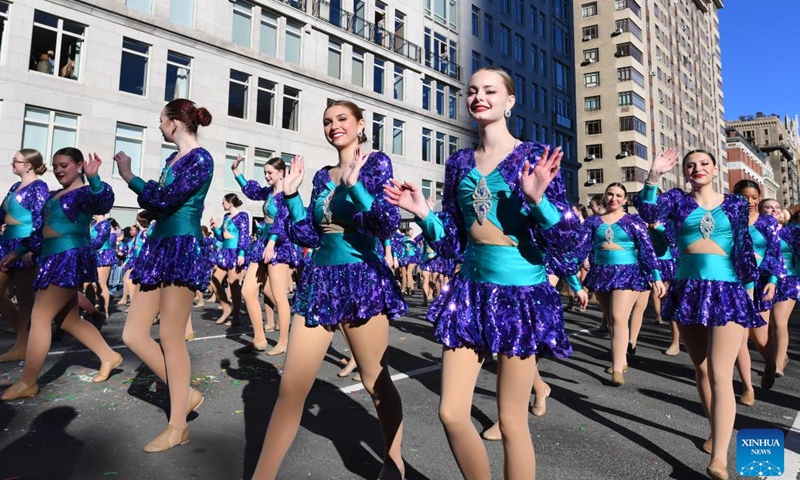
[169, 360]
[760, 338]
[307, 348]
[779, 331]
[276, 290]
[54, 304]
[234, 304]
[22, 280]
[637, 316]
[617, 305]
[515, 378]
[713, 352]
[103, 273]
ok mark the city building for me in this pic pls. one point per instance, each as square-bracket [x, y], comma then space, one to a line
[747, 162]
[778, 138]
[96, 73]
[649, 78]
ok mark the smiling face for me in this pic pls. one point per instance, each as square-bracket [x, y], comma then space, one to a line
[272, 174]
[699, 169]
[752, 196]
[66, 170]
[615, 199]
[772, 207]
[341, 127]
[488, 97]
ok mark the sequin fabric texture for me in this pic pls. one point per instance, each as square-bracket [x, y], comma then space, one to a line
[771, 263]
[510, 320]
[32, 197]
[227, 258]
[107, 257]
[285, 251]
[788, 287]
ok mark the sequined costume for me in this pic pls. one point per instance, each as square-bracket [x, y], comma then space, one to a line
[273, 227]
[65, 258]
[665, 252]
[501, 301]
[173, 254]
[708, 288]
[788, 287]
[21, 212]
[431, 262]
[629, 264]
[235, 240]
[100, 241]
[408, 254]
[346, 280]
[767, 247]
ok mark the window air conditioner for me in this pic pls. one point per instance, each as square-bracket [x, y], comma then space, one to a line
[586, 38]
[652, 73]
[618, 31]
[590, 157]
[623, 154]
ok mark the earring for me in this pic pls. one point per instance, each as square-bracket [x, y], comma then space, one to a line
[80, 171]
[507, 113]
[361, 133]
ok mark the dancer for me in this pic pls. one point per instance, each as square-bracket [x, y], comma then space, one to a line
[667, 255]
[623, 264]
[21, 213]
[231, 257]
[408, 262]
[269, 257]
[345, 282]
[106, 258]
[65, 263]
[707, 297]
[172, 265]
[503, 206]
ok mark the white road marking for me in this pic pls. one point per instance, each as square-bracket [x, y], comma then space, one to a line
[397, 376]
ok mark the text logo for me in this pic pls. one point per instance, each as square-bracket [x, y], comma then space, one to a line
[759, 452]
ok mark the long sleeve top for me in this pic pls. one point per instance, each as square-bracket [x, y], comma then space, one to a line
[21, 210]
[236, 227]
[630, 233]
[274, 208]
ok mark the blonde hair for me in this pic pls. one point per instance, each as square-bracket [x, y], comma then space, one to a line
[34, 158]
[507, 81]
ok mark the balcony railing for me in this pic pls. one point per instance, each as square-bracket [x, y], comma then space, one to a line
[298, 4]
[366, 30]
[441, 63]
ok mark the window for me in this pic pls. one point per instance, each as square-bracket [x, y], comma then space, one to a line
[629, 123]
[440, 152]
[439, 98]
[591, 79]
[426, 93]
[238, 92]
[133, 68]
[561, 40]
[543, 100]
[182, 12]
[56, 45]
[593, 127]
[625, 99]
[265, 102]
[518, 47]
[476, 21]
[291, 108]
[542, 22]
[591, 55]
[627, 25]
[629, 50]
[179, 68]
[519, 89]
[594, 149]
[594, 175]
[589, 9]
[231, 152]
[629, 73]
[377, 131]
[260, 158]
[505, 40]
[268, 34]
[292, 40]
[534, 55]
[145, 6]
[533, 99]
[397, 137]
[452, 145]
[534, 132]
[519, 11]
[444, 12]
[488, 29]
[438, 190]
[623, 4]
[242, 16]
[542, 62]
[426, 188]
[357, 68]
[633, 148]
[591, 104]
[452, 103]
[377, 75]
[476, 61]
[399, 83]
[426, 144]
[49, 130]
[561, 76]
[129, 139]
[519, 126]
[628, 174]
[287, 158]
[589, 33]
[334, 59]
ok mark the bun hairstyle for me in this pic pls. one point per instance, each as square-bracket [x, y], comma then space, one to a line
[233, 199]
[277, 163]
[743, 184]
[354, 111]
[188, 113]
[113, 223]
[692, 152]
[507, 81]
[34, 158]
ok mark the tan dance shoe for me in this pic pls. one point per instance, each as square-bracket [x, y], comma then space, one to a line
[539, 407]
[106, 368]
[13, 355]
[717, 471]
[617, 379]
[19, 390]
[277, 351]
[195, 400]
[624, 369]
[170, 438]
[748, 398]
[708, 446]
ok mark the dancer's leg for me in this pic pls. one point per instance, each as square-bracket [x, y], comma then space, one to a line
[235, 276]
[222, 294]
[621, 304]
[22, 280]
[269, 306]
[637, 316]
[250, 293]
[426, 285]
[722, 354]
[514, 382]
[277, 277]
[51, 303]
[744, 365]
[125, 285]
[136, 333]
[7, 308]
[695, 338]
[103, 273]
[780, 331]
[175, 306]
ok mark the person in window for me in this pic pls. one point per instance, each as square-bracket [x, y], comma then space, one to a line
[172, 265]
[43, 64]
[68, 70]
[345, 283]
[231, 258]
[65, 262]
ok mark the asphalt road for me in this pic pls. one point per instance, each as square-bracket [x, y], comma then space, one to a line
[649, 429]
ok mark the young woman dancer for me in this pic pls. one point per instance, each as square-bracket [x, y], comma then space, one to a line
[231, 257]
[21, 212]
[623, 264]
[106, 258]
[766, 243]
[139, 232]
[172, 266]
[667, 255]
[270, 256]
[408, 262]
[504, 207]
[65, 263]
[346, 282]
[707, 298]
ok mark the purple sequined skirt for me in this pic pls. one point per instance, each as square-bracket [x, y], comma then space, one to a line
[68, 269]
[605, 278]
[8, 245]
[106, 258]
[285, 252]
[711, 303]
[406, 261]
[439, 264]
[758, 294]
[667, 269]
[171, 261]
[353, 293]
[228, 258]
[788, 288]
[509, 320]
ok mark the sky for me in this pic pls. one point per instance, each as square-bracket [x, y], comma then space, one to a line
[760, 46]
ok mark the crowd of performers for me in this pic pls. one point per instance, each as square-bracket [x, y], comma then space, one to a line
[720, 268]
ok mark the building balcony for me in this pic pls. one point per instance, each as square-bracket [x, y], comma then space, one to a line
[442, 64]
[298, 4]
[361, 28]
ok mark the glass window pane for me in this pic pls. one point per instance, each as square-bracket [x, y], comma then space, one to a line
[241, 29]
[182, 12]
[134, 150]
[143, 5]
[268, 38]
[292, 53]
[35, 136]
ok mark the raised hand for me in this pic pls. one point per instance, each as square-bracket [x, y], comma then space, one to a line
[536, 180]
[407, 196]
[663, 163]
[92, 165]
[123, 165]
[350, 176]
[293, 179]
[431, 202]
[235, 164]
